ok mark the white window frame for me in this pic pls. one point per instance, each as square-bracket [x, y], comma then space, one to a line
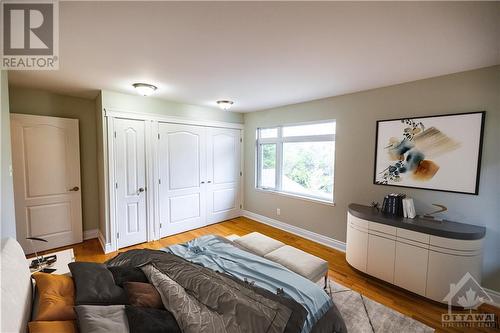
[279, 141]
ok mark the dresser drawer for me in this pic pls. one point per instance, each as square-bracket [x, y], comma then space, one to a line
[456, 244]
[406, 234]
[357, 222]
[385, 229]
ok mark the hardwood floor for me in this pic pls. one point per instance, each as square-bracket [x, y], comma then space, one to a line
[407, 303]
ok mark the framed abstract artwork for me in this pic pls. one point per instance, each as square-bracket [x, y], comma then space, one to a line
[441, 153]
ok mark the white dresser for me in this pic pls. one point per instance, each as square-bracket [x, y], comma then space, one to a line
[420, 255]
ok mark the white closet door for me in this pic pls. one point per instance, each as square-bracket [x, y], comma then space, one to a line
[46, 163]
[130, 175]
[182, 170]
[223, 174]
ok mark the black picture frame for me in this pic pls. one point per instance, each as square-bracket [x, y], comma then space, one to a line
[479, 157]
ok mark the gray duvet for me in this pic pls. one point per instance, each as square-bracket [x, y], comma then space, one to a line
[203, 300]
[209, 305]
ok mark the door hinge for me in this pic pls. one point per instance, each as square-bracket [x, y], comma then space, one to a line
[114, 134]
[241, 139]
[158, 136]
[116, 185]
[159, 181]
[161, 225]
[241, 173]
[117, 235]
[241, 206]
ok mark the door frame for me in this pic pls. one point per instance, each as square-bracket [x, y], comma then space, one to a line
[151, 123]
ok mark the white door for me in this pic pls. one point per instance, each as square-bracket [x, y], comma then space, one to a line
[130, 176]
[182, 171]
[46, 163]
[223, 174]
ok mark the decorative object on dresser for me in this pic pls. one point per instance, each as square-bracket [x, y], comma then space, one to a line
[440, 153]
[420, 255]
[431, 215]
[398, 205]
[393, 204]
[409, 208]
[375, 205]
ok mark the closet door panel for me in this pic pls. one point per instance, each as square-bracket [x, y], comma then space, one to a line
[130, 169]
[182, 170]
[223, 174]
[184, 207]
[224, 199]
[225, 156]
[184, 159]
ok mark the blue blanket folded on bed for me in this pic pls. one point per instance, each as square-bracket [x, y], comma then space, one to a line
[220, 255]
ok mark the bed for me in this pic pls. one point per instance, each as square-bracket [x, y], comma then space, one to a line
[206, 285]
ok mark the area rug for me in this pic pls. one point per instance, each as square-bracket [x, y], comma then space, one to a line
[363, 315]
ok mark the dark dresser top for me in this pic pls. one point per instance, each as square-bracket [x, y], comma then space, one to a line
[446, 229]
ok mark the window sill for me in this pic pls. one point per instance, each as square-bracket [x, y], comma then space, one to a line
[295, 196]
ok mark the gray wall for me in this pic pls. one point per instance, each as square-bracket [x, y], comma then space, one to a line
[356, 115]
[7, 215]
[42, 103]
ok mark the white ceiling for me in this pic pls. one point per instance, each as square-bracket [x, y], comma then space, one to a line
[262, 54]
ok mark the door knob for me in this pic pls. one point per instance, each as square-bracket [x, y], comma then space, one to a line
[202, 183]
[209, 182]
[141, 189]
[74, 189]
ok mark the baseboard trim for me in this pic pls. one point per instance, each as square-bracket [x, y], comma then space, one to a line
[324, 240]
[495, 296]
[90, 234]
[105, 247]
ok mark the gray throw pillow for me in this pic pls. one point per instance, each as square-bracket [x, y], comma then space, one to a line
[95, 285]
[102, 319]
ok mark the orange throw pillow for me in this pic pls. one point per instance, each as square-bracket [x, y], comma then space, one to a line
[67, 326]
[56, 297]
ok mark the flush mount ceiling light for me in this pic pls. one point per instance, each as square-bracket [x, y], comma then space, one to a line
[144, 89]
[225, 105]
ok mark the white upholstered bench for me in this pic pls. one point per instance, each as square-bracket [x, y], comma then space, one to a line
[298, 261]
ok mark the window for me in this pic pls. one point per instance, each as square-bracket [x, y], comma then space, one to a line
[297, 160]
